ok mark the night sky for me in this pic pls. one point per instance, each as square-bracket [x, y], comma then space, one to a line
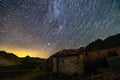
[42, 27]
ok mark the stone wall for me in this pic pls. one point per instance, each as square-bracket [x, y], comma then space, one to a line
[94, 55]
[73, 65]
[69, 65]
[114, 63]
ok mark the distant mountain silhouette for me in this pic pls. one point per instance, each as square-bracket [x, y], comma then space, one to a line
[29, 59]
[110, 42]
[8, 59]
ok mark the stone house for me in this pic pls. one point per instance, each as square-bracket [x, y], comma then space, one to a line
[77, 61]
[69, 61]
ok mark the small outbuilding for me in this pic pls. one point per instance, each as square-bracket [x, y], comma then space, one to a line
[69, 61]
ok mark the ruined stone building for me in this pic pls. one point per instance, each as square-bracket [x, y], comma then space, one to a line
[68, 61]
[75, 61]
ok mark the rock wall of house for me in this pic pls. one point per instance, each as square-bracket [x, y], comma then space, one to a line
[93, 55]
[73, 65]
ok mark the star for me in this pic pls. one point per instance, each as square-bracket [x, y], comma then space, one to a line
[49, 44]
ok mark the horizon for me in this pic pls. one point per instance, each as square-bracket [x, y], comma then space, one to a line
[24, 53]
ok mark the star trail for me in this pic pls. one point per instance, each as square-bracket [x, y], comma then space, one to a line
[43, 27]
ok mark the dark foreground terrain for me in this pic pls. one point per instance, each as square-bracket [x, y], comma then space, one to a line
[33, 71]
[13, 73]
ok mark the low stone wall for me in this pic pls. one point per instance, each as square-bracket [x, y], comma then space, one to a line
[94, 55]
[114, 63]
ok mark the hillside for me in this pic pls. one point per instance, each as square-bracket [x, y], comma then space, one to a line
[109, 42]
[12, 66]
[8, 59]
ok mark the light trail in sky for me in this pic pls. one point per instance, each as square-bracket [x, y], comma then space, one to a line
[52, 25]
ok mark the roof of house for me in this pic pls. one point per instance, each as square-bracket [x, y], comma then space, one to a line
[69, 52]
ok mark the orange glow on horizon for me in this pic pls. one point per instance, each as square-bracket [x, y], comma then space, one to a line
[22, 52]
